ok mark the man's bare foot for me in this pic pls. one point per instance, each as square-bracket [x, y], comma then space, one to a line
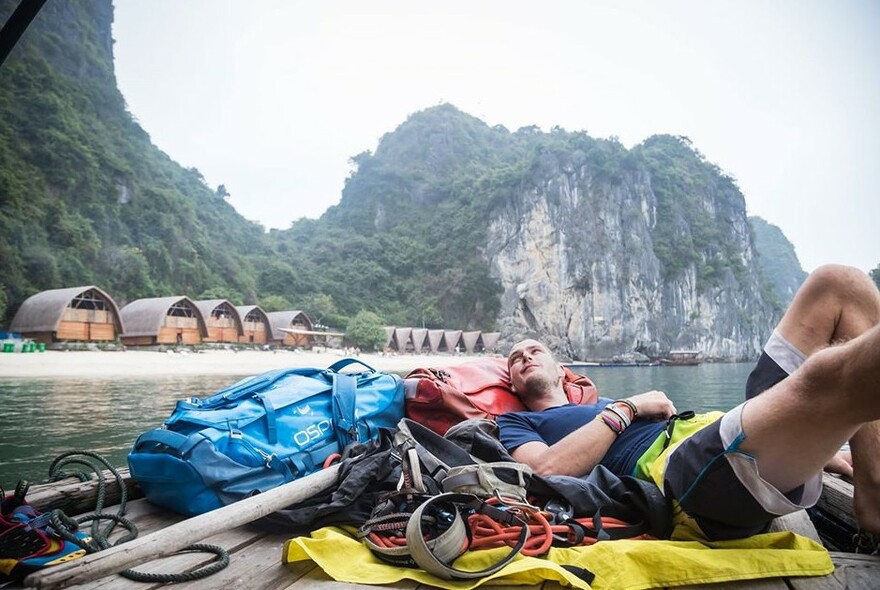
[841, 464]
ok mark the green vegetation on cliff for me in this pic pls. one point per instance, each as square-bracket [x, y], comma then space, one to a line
[697, 209]
[85, 198]
[778, 262]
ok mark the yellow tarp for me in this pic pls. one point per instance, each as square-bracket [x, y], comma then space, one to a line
[618, 565]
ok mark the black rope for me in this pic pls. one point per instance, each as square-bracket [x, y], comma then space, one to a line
[213, 568]
[64, 525]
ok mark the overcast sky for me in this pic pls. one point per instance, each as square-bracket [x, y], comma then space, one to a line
[271, 98]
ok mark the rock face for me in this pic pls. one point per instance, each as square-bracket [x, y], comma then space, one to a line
[778, 261]
[575, 256]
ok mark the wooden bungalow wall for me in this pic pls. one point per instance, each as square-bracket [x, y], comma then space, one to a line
[254, 333]
[302, 340]
[86, 324]
[188, 328]
[221, 330]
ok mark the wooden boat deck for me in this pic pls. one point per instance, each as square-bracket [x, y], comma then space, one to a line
[256, 561]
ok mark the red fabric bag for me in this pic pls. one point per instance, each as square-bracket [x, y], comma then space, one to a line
[441, 397]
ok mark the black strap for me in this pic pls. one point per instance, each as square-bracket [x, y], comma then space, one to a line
[670, 425]
[16, 25]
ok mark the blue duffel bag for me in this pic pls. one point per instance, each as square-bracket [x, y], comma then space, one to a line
[260, 433]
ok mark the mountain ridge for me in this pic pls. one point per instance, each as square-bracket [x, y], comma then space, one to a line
[86, 198]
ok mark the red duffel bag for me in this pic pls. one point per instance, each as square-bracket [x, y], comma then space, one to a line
[441, 397]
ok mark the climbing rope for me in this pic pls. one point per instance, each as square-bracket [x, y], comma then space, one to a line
[545, 529]
[65, 525]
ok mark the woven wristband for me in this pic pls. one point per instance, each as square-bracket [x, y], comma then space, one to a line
[624, 419]
[610, 422]
[630, 405]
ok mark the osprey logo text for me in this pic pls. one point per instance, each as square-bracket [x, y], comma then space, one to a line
[311, 433]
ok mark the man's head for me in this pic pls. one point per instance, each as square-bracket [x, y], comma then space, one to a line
[534, 373]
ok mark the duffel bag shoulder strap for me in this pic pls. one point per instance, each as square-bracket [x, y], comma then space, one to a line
[345, 400]
[436, 557]
[343, 403]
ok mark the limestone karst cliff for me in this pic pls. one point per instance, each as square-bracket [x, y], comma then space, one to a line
[575, 252]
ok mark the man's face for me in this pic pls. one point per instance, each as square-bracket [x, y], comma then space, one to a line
[533, 370]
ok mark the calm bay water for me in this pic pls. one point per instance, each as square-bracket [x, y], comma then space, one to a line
[42, 418]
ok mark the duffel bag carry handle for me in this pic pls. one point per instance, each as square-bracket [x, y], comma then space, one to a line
[339, 365]
[173, 440]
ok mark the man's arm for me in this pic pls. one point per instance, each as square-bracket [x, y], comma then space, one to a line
[583, 449]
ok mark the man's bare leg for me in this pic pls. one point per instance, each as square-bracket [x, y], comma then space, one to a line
[796, 426]
[835, 304]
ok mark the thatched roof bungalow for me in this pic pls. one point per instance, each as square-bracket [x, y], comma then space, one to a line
[222, 320]
[452, 341]
[490, 341]
[255, 324]
[418, 339]
[435, 339]
[291, 328]
[389, 337]
[402, 339]
[163, 320]
[77, 313]
[470, 341]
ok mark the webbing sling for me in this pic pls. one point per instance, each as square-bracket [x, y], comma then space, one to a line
[437, 559]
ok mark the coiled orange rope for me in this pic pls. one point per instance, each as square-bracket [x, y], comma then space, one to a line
[488, 534]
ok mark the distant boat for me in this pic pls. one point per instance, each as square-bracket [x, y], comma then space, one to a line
[581, 365]
[630, 364]
[682, 357]
[591, 364]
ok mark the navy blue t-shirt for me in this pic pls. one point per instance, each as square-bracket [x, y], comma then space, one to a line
[552, 425]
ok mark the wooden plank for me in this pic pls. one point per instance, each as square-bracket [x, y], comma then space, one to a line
[852, 571]
[75, 497]
[147, 517]
[316, 578]
[229, 334]
[762, 584]
[191, 336]
[102, 332]
[256, 566]
[68, 330]
[237, 542]
[797, 522]
[837, 500]
[173, 538]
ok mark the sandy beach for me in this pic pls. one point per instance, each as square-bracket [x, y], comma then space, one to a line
[213, 362]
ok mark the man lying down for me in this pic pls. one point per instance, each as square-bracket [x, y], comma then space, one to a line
[760, 460]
